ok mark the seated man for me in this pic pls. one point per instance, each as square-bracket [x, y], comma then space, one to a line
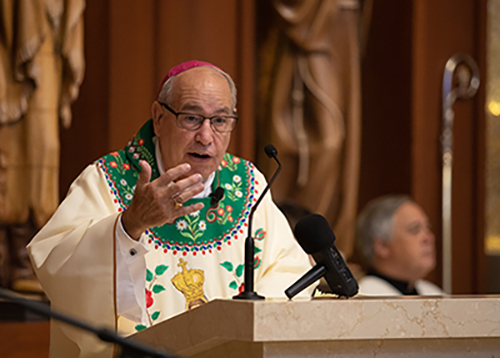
[139, 239]
[394, 238]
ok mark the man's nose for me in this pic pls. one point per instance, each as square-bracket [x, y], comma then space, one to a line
[429, 235]
[205, 133]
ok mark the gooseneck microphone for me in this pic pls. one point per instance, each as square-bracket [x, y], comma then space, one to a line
[248, 292]
[317, 239]
[216, 196]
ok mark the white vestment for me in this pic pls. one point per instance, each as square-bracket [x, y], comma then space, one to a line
[375, 286]
[74, 256]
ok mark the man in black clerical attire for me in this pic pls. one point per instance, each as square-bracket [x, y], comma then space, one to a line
[398, 248]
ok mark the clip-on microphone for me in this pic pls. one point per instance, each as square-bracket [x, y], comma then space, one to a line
[248, 292]
[216, 196]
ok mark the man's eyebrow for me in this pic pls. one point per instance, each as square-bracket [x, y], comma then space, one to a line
[198, 108]
[413, 224]
[190, 107]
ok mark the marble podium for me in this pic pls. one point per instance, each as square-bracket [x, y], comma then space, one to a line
[461, 326]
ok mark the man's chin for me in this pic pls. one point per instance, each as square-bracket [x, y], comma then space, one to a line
[427, 268]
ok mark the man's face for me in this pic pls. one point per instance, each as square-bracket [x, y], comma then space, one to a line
[199, 90]
[411, 248]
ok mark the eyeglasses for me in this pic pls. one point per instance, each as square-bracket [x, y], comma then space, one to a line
[192, 121]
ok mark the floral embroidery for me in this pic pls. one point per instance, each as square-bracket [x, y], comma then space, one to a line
[191, 226]
[237, 282]
[153, 288]
[234, 190]
[197, 233]
[224, 214]
[231, 163]
[260, 234]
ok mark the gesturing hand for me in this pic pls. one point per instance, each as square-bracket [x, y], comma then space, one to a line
[154, 203]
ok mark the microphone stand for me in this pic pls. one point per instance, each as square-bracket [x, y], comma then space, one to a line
[129, 349]
[248, 292]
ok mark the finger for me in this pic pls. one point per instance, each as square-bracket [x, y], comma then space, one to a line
[172, 174]
[145, 174]
[185, 195]
[180, 186]
[185, 210]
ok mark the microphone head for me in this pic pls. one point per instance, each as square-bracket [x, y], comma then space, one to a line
[216, 196]
[314, 233]
[218, 193]
[271, 151]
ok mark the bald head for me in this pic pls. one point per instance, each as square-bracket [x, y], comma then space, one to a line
[166, 91]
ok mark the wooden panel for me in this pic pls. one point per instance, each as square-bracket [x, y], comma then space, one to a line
[244, 142]
[442, 29]
[131, 72]
[479, 207]
[24, 339]
[193, 29]
[386, 103]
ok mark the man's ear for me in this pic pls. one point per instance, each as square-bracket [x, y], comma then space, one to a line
[157, 115]
[382, 248]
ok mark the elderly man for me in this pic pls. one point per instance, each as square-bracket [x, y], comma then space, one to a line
[138, 239]
[397, 244]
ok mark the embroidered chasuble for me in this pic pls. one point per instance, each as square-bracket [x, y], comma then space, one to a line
[191, 260]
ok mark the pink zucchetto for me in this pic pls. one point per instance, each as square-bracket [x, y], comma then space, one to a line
[184, 67]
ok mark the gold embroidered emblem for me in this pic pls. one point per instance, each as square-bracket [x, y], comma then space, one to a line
[190, 284]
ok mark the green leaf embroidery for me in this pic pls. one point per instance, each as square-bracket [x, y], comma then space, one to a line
[186, 234]
[160, 269]
[260, 234]
[257, 262]
[158, 288]
[149, 275]
[227, 265]
[155, 315]
[233, 285]
[239, 270]
[140, 327]
[256, 250]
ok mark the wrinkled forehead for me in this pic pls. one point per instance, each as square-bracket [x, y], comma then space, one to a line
[408, 213]
[201, 84]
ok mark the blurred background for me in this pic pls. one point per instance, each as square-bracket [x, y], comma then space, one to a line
[349, 91]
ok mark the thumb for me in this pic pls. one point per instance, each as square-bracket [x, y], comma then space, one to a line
[145, 174]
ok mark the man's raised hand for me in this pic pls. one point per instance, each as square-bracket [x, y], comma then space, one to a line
[154, 203]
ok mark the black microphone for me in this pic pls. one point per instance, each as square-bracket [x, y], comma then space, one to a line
[317, 239]
[248, 292]
[216, 196]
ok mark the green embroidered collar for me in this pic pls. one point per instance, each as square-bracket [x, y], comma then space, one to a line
[196, 233]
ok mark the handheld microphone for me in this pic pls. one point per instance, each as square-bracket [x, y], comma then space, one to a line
[216, 196]
[317, 239]
[248, 292]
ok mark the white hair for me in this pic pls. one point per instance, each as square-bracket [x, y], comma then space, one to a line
[376, 221]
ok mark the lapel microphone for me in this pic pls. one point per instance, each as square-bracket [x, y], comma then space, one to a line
[216, 196]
